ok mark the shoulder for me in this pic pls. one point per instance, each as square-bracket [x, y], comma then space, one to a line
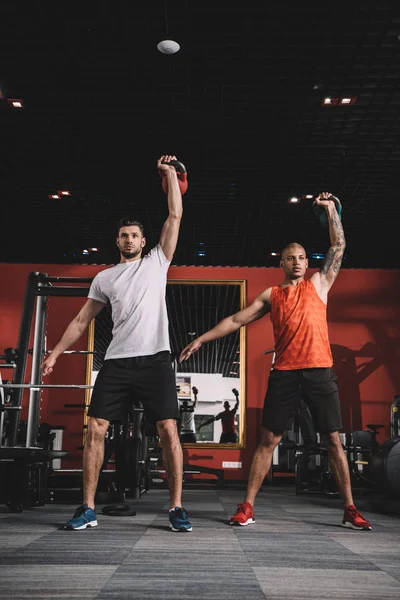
[273, 291]
[105, 273]
[265, 296]
[157, 254]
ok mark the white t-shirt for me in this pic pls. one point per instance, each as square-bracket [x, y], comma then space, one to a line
[188, 422]
[136, 291]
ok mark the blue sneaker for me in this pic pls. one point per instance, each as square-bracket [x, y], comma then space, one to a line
[179, 519]
[83, 517]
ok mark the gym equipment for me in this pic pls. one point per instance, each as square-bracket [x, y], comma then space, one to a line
[25, 460]
[386, 466]
[182, 176]
[360, 446]
[320, 211]
[312, 471]
[395, 420]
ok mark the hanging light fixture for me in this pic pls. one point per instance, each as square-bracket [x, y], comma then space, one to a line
[167, 46]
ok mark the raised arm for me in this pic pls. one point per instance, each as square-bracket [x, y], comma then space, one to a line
[195, 392]
[236, 394]
[256, 310]
[74, 331]
[324, 279]
[170, 230]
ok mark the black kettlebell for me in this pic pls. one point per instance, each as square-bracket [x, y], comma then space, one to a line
[179, 166]
[320, 211]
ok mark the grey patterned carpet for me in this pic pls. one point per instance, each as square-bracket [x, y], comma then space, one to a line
[296, 549]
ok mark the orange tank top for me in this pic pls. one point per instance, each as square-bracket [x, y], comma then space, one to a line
[298, 317]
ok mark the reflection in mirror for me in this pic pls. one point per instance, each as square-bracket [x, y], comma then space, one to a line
[210, 384]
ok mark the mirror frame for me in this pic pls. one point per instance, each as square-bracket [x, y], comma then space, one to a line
[242, 370]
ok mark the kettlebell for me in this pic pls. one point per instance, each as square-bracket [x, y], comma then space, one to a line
[320, 211]
[182, 176]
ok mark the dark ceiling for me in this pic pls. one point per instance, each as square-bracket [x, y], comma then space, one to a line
[240, 104]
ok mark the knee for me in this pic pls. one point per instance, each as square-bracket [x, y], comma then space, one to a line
[270, 439]
[167, 429]
[332, 442]
[97, 429]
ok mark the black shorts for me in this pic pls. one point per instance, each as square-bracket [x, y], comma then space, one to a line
[318, 388]
[228, 438]
[124, 381]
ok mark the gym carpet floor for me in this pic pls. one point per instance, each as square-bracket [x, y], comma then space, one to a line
[296, 549]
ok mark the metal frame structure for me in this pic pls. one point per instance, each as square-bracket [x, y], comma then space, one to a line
[40, 287]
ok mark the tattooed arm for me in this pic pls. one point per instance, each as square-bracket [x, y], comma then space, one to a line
[324, 279]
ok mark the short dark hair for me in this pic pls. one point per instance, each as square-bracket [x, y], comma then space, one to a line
[125, 222]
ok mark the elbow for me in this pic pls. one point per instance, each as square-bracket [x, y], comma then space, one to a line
[81, 323]
[175, 215]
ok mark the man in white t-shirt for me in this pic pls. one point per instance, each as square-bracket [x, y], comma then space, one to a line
[137, 362]
[188, 424]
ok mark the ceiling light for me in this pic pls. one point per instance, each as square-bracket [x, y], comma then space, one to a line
[329, 101]
[317, 255]
[293, 200]
[348, 100]
[64, 193]
[85, 251]
[168, 47]
[309, 196]
[54, 196]
[274, 254]
[15, 103]
[93, 249]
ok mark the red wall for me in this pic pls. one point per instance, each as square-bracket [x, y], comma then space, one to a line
[364, 325]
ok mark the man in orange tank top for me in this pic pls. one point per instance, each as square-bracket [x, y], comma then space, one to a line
[302, 366]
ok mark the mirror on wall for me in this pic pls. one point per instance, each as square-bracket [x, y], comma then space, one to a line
[210, 385]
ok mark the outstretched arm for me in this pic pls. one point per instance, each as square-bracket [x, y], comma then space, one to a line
[75, 329]
[256, 310]
[324, 279]
[209, 421]
[170, 230]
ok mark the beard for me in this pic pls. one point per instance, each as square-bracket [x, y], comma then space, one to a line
[129, 253]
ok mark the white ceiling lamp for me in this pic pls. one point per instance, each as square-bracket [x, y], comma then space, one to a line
[167, 46]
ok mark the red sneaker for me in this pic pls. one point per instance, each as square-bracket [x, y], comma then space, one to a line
[244, 515]
[354, 519]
